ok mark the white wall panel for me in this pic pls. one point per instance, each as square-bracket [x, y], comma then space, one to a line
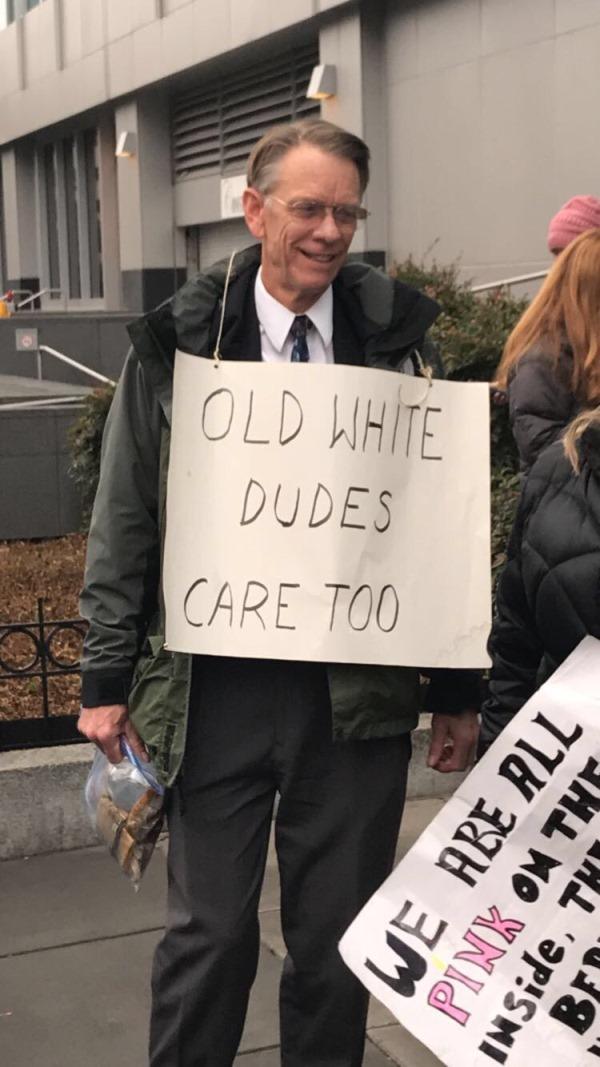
[119, 19]
[249, 20]
[401, 43]
[129, 198]
[576, 108]
[40, 39]
[212, 30]
[282, 14]
[148, 53]
[573, 14]
[517, 145]
[92, 26]
[340, 45]
[9, 65]
[79, 87]
[121, 70]
[446, 105]
[511, 23]
[178, 41]
[144, 11]
[408, 196]
[72, 31]
[447, 34]
[483, 152]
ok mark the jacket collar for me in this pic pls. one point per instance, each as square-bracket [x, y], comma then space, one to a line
[376, 319]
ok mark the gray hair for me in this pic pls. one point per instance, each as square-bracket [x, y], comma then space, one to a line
[277, 142]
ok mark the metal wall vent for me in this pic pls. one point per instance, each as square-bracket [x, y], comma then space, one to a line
[214, 127]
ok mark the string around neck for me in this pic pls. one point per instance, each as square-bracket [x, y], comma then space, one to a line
[426, 374]
[217, 352]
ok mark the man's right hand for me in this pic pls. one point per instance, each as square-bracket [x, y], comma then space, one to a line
[104, 726]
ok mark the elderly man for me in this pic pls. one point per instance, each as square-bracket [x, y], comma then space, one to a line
[228, 735]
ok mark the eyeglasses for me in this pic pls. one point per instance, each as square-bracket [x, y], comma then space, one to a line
[346, 216]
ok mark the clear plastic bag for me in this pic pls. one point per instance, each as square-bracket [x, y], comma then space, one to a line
[125, 804]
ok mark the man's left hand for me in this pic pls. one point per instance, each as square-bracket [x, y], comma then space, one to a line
[453, 741]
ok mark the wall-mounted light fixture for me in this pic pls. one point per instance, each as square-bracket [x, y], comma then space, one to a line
[126, 145]
[323, 82]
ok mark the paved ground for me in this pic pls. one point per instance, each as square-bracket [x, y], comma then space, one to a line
[75, 951]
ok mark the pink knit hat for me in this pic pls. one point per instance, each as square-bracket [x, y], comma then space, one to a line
[579, 214]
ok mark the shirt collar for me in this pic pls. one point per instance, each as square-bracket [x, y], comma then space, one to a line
[276, 319]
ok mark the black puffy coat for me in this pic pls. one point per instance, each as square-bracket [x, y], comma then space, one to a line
[541, 404]
[548, 595]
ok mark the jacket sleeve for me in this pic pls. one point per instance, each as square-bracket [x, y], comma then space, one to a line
[540, 406]
[514, 645]
[123, 556]
[452, 690]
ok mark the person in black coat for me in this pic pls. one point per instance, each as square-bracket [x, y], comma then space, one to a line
[548, 596]
[551, 362]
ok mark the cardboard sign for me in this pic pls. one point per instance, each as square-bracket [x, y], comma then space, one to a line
[485, 940]
[327, 513]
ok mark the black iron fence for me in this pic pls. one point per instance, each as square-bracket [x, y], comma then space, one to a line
[35, 653]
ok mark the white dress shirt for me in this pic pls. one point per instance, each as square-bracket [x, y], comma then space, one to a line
[275, 321]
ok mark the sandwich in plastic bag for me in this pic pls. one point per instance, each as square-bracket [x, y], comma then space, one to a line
[125, 803]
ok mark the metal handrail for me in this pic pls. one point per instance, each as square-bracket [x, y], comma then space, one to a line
[78, 366]
[509, 281]
[48, 402]
[34, 296]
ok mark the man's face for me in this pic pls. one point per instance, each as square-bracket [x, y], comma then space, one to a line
[301, 258]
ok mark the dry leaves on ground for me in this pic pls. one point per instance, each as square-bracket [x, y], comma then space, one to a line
[51, 570]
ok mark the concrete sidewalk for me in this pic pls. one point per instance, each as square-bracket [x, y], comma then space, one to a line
[75, 951]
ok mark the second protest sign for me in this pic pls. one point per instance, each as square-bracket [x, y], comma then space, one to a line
[485, 942]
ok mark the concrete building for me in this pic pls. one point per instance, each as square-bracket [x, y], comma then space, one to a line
[124, 126]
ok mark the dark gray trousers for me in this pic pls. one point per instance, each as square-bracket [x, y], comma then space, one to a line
[257, 729]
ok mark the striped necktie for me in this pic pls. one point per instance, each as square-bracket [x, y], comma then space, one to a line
[299, 328]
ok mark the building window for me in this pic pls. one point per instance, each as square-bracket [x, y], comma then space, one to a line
[7, 13]
[49, 169]
[72, 198]
[15, 9]
[94, 221]
[214, 127]
[72, 213]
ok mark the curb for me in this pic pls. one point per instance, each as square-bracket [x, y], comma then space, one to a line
[42, 800]
[42, 795]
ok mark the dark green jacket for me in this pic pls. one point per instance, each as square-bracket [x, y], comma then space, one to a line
[377, 322]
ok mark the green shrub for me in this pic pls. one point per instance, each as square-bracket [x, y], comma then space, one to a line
[505, 497]
[471, 333]
[85, 441]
